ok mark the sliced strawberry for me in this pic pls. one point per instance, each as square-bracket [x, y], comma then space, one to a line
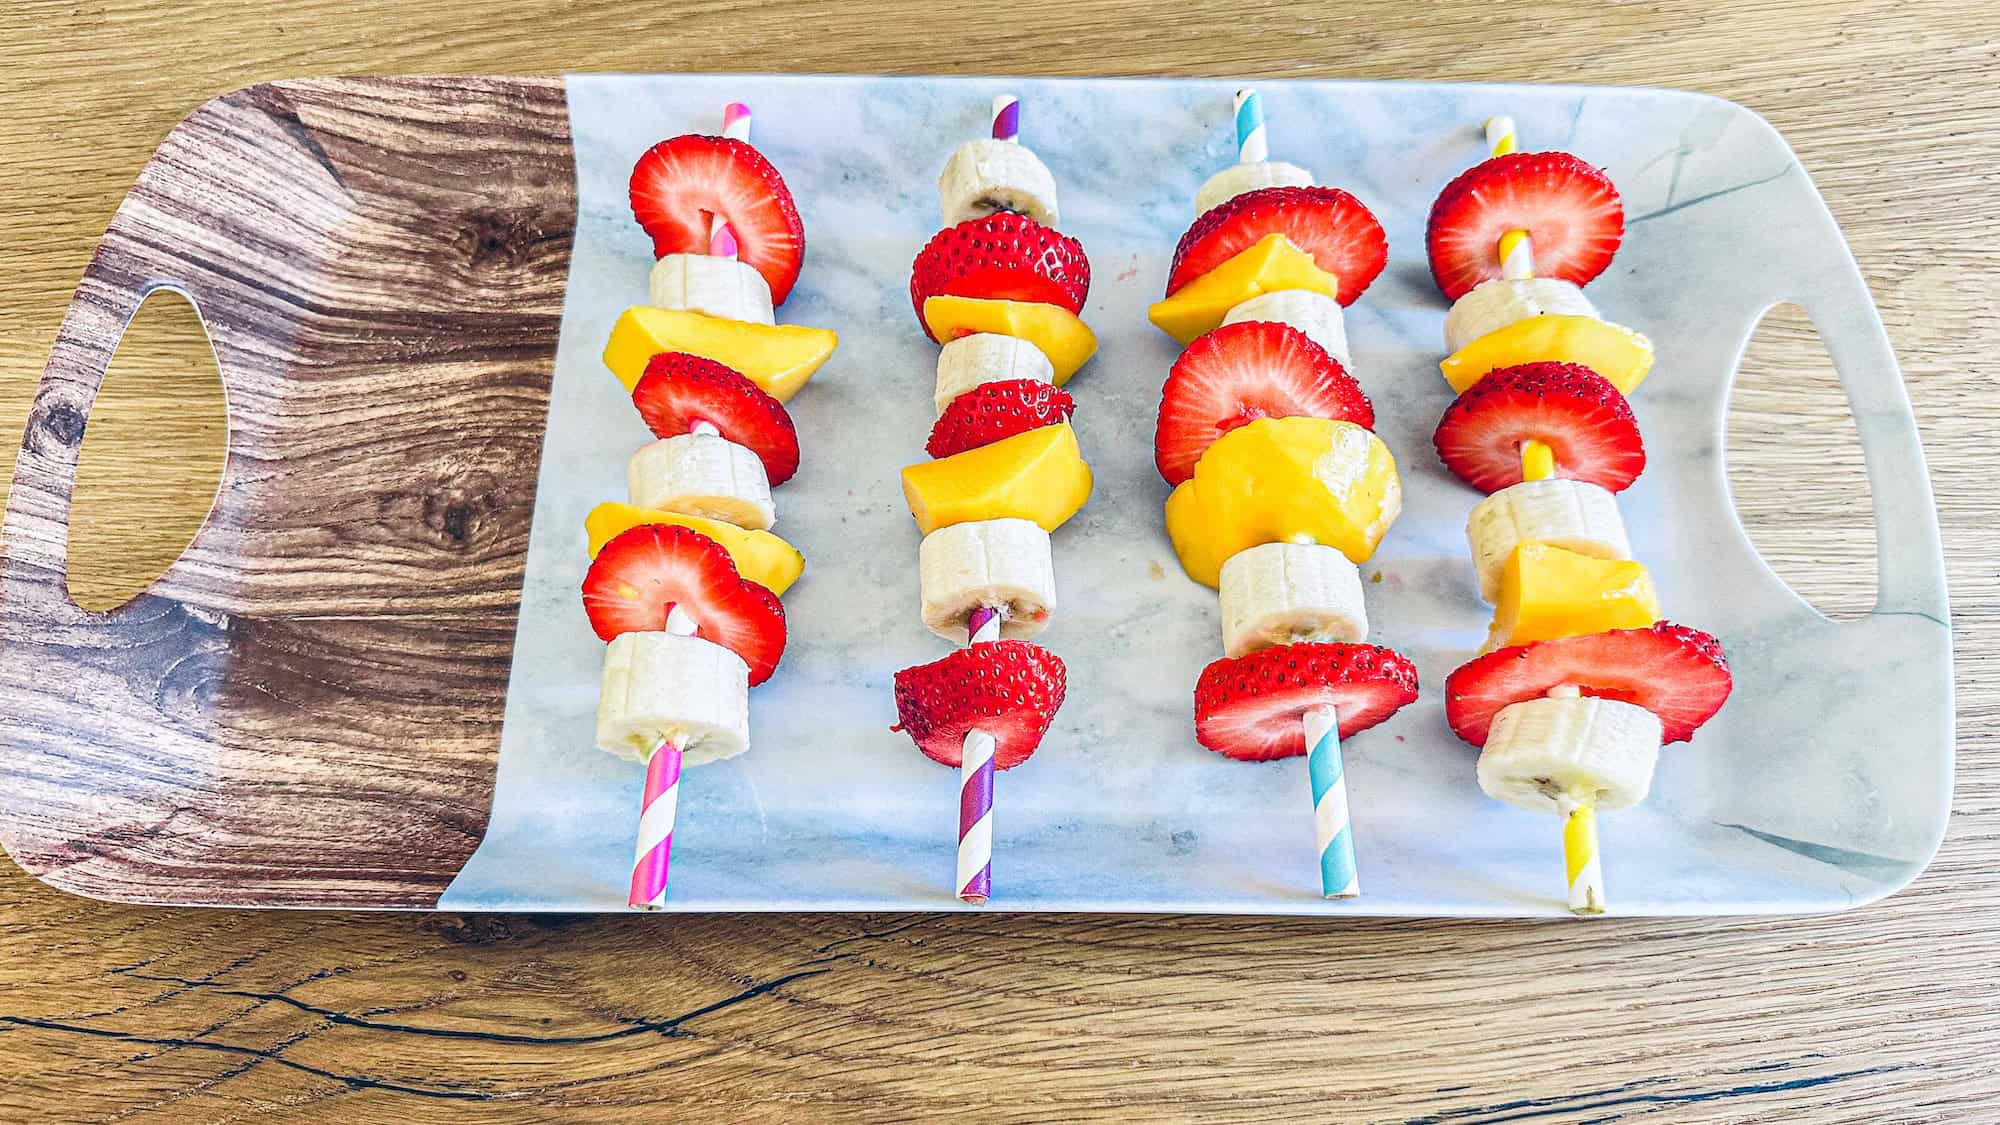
[990, 412]
[683, 182]
[1252, 708]
[641, 575]
[1573, 410]
[1677, 673]
[679, 390]
[1005, 257]
[1242, 372]
[1340, 233]
[1009, 689]
[1570, 210]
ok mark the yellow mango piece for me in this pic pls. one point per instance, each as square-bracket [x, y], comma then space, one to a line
[1067, 341]
[1548, 592]
[760, 556]
[1039, 475]
[1289, 480]
[1612, 350]
[777, 357]
[1267, 267]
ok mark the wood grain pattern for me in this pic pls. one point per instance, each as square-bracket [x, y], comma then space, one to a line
[1881, 1015]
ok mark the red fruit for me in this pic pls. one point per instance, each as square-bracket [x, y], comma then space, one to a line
[1252, 708]
[1677, 673]
[1570, 210]
[1004, 257]
[1009, 689]
[1340, 233]
[992, 411]
[1566, 406]
[645, 572]
[679, 390]
[684, 181]
[1242, 372]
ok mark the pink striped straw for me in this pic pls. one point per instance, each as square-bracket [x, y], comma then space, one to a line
[654, 852]
[1006, 117]
[721, 238]
[975, 788]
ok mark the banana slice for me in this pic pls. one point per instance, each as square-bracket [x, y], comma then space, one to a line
[1493, 305]
[1239, 178]
[1594, 751]
[987, 175]
[1315, 314]
[1281, 593]
[720, 287]
[659, 686]
[702, 475]
[1570, 514]
[987, 357]
[1001, 563]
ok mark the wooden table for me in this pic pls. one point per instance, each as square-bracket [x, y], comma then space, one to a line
[117, 1013]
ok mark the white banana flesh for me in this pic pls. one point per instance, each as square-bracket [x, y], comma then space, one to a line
[1239, 178]
[719, 287]
[1002, 564]
[1590, 751]
[1283, 593]
[987, 357]
[1569, 514]
[1493, 305]
[988, 175]
[1315, 314]
[660, 686]
[702, 475]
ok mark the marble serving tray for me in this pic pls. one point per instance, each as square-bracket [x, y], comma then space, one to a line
[1824, 783]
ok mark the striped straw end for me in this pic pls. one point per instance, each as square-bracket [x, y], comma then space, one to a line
[1006, 117]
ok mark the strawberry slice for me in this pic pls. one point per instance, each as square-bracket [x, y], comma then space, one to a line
[679, 390]
[1570, 210]
[640, 576]
[1677, 673]
[1252, 708]
[1242, 372]
[682, 182]
[1566, 406]
[990, 412]
[1340, 233]
[1005, 257]
[1009, 689]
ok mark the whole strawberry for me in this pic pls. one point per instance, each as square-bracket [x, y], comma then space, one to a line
[1009, 689]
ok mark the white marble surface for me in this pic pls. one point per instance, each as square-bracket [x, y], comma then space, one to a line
[1824, 783]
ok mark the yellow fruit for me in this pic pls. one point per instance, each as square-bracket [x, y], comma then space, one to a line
[1068, 342]
[1039, 475]
[777, 357]
[760, 556]
[1270, 265]
[1289, 480]
[1612, 350]
[1548, 592]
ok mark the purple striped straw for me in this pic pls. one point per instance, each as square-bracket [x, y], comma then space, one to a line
[975, 787]
[1006, 117]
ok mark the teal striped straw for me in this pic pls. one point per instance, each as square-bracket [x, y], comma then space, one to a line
[1337, 875]
[1251, 145]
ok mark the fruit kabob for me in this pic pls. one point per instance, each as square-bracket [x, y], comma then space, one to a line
[684, 579]
[1000, 289]
[1280, 487]
[1579, 682]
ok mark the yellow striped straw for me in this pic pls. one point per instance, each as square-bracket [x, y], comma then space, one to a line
[1538, 461]
[1517, 253]
[1585, 873]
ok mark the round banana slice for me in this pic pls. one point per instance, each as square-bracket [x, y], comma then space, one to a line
[1493, 305]
[987, 357]
[1593, 751]
[1004, 564]
[1315, 314]
[1283, 593]
[659, 686]
[702, 475]
[1571, 514]
[1239, 178]
[988, 175]
[720, 287]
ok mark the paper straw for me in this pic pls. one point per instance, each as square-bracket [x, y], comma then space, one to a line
[1338, 877]
[1500, 135]
[975, 788]
[736, 122]
[1583, 873]
[1517, 253]
[1006, 117]
[653, 855]
[1252, 145]
[721, 238]
[1538, 461]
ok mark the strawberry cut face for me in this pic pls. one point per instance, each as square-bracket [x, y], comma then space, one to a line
[1677, 673]
[680, 390]
[1242, 372]
[1570, 210]
[1010, 689]
[995, 411]
[638, 578]
[1004, 257]
[1342, 235]
[1252, 708]
[683, 182]
[1567, 406]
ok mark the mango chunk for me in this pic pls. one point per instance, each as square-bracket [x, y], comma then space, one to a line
[1284, 480]
[760, 556]
[1067, 341]
[777, 357]
[1270, 265]
[1039, 475]
[1548, 592]
[1612, 350]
